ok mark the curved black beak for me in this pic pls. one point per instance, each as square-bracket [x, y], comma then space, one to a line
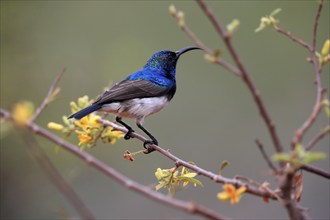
[186, 49]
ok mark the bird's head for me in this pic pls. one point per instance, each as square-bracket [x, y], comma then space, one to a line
[166, 60]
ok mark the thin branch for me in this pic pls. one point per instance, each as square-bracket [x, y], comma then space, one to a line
[247, 179]
[316, 170]
[189, 207]
[207, 50]
[179, 162]
[266, 188]
[48, 96]
[317, 138]
[265, 156]
[316, 23]
[56, 178]
[293, 38]
[245, 75]
[214, 20]
[300, 132]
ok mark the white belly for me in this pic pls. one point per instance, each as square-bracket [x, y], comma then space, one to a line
[136, 108]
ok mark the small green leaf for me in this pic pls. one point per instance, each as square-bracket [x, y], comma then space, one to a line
[191, 180]
[54, 94]
[313, 156]
[190, 174]
[268, 20]
[325, 48]
[275, 12]
[326, 107]
[161, 174]
[282, 157]
[300, 151]
[223, 165]
[160, 185]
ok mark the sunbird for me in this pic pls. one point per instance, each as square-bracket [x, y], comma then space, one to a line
[141, 94]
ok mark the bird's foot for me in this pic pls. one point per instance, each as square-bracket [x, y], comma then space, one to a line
[128, 134]
[148, 148]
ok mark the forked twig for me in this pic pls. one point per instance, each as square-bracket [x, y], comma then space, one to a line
[48, 96]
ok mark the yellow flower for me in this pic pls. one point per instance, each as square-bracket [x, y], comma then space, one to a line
[55, 126]
[22, 112]
[89, 121]
[84, 137]
[111, 136]
[230, 193]
[74, 107]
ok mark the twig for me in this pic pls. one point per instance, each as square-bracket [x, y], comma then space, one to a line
[244, 75]
[207, 50]
[48, 96]
[56, 178]
[179, 162]
[317, 138]
[120, 178]
[265, 156]
[300, 132]
[247, 179]
[316, 170]
[293, 38]
[266, 188]
[316, 23]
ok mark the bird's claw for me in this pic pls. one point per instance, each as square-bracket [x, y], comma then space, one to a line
[149, 149]
[128, 134]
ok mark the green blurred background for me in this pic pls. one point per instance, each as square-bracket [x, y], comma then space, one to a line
[212, 117]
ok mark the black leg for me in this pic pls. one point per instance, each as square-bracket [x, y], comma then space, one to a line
[130, 130]
[153, 139]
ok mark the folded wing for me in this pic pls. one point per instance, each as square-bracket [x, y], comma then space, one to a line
[130, 89]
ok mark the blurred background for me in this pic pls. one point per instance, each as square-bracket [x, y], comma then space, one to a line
[212, 117]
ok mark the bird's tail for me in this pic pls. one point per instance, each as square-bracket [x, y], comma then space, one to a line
[82, 113]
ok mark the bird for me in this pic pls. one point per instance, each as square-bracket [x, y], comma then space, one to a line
[140, 94]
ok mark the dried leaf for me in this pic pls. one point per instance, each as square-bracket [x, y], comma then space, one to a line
[128, 156]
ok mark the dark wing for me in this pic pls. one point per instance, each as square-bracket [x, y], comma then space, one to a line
[130, 89]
